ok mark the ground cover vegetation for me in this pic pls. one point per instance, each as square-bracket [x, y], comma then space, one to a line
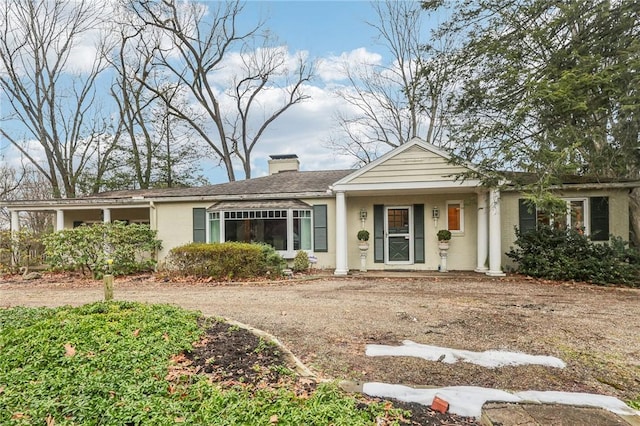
[225, 261]
[127, 363]
[566, 254]
[115, 248]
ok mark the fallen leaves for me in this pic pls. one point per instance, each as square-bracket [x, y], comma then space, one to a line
[69, 350]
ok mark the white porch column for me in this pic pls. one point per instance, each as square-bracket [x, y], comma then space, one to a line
[483, 233]
[106, 215]
[15, 228]
[59, 220]
[15, 221]
[495, 237]
[341, 235]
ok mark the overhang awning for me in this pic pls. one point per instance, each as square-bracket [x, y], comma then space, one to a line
[258, 205]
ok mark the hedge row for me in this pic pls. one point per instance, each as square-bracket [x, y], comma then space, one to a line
[558, 254]
[230, 260]
[115, 248]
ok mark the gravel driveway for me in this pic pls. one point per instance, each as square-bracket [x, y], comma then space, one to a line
[327, 323]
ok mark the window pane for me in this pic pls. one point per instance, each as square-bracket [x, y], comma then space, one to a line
[576, 219]
[398, 221]
[302, 234]
[453, 217]
[275, 233]
[214, 230]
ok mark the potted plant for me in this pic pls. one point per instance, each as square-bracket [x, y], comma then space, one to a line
[363, 237]
[444, 235]
[363, 245]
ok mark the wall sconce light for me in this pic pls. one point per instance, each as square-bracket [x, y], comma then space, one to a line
[363, 214]
[435, 213]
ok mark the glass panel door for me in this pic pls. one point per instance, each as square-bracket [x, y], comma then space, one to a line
[398, 232]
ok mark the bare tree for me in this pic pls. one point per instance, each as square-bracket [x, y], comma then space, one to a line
[260, 68]
[151, 150]
[394, 102]
[25, 183]
[49, 101]
[201, 40]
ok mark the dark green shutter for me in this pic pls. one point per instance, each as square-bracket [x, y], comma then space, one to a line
[320, 236]
[527, 216]
[199, 225]
[378, 233]
[418, 233]
[599, 218]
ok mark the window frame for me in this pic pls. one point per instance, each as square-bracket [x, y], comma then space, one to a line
[259, 214]
[461, 218]
[586, 220]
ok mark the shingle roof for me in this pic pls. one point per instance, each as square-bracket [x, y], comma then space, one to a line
[288, 183]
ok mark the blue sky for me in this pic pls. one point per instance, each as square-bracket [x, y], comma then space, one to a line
[329, 31]
[322, 27]
[332, 32]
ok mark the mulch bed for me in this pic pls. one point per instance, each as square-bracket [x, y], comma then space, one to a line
[234, 356]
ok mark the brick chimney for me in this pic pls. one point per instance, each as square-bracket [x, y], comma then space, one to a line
[283, 163]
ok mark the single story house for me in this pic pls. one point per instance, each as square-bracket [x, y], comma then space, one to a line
[403, 198]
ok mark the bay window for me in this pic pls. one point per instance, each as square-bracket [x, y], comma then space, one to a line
[286, 230]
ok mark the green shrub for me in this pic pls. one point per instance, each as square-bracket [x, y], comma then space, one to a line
[88, 248]
[225, 260]
[301, 261]
[569, 255]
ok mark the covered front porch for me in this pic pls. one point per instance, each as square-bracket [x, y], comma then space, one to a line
[70, 214]
[403, 230]
[403, 199]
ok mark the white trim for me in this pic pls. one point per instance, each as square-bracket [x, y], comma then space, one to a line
[396, 186]
[387, 234]
[59, 220]
[495, 235]
[483, 233]
[342, 259]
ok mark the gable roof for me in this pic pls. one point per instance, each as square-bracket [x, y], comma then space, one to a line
[413, 165]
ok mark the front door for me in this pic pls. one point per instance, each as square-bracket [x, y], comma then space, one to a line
[398, 225]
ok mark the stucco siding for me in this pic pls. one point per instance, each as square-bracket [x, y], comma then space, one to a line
[175, 224]
[463, 245]
[618, 214]
[416, 164]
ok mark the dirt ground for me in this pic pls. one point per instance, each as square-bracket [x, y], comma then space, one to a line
[328, 322]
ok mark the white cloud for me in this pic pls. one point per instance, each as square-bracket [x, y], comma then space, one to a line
[332, 68]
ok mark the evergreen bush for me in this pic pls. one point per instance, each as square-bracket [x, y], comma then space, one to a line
[301, 261]
[87, 248]
[569, 255]
[225, 260]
